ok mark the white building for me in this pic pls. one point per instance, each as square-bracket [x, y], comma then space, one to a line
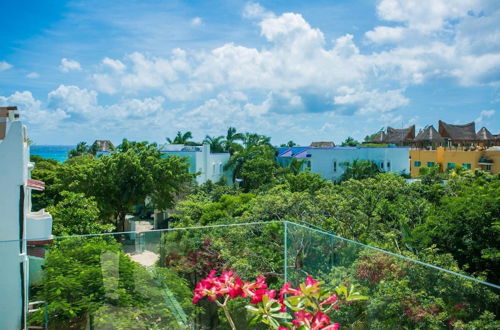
[23, 231]
[330, 162]
[209, 165]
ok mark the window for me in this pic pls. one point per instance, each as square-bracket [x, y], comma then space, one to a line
[213, 167]
[466, 165]
[308, 164]
[450, 165]
[388, 166]
[488, 168]
[417, 163]
[430, 164]
[335, 166]
[382, 165]
[220, 168]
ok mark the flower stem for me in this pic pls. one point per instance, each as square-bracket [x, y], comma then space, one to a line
[226, 312]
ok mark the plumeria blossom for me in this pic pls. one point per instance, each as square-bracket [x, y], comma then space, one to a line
[309, 302]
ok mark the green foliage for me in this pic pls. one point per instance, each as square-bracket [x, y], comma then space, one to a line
[45, 170]
[350, 142]
[92, 276]
[81, 149]
[76, 214]
[359, 169]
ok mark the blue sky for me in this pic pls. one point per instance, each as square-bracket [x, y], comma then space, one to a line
[293, 70]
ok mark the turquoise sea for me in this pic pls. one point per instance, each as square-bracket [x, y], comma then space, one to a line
[59, 153]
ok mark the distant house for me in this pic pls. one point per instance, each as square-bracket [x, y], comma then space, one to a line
[102, 147]
[458, 134]
[208, 165]
[330, 162]
[322, 144]
[397, 136]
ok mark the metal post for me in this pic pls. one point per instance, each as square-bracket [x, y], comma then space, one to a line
[285, 254]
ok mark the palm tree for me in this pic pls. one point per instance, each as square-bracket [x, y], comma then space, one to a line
[216, 143]
[253, 139]
[81, 148]
[181, 138]
[230, 144]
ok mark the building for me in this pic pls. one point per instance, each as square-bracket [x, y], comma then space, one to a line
[330, 162]
[102, 147]
[207, 165]
[400, 137]
[453, 146]
[24, 232]
[448, 158]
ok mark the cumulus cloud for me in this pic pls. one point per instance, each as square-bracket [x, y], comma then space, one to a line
[4, 66]
[484, 115]
[32, 111]
[69, 65]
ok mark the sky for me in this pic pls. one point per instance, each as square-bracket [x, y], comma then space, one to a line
[293, 70]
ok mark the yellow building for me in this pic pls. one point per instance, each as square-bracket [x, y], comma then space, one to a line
[484, 159]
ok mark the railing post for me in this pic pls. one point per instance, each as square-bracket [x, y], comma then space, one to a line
[285, 254]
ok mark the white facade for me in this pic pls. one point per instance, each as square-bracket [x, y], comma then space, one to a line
[17, 221]
[330, 162]
[201, 160]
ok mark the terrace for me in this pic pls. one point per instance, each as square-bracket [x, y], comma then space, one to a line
[146, 280]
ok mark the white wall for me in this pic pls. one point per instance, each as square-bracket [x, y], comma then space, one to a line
[322, 159]
[14, 156]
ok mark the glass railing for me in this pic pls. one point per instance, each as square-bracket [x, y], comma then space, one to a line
[146, 280]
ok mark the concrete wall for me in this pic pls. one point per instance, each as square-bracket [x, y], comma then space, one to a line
[14, 156]
[328, 162]
[444, 156]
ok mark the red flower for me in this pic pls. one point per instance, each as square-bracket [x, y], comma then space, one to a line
[319, 321]
[258, 294]
[302, 318]
[330, 300]
[287, 289]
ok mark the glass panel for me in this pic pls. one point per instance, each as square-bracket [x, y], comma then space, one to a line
[146, 280]
[402, 293]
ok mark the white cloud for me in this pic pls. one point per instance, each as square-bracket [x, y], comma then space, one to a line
[115, 65]
[32, 75]
[254, 10]
[32, 112]
[4, 66]
[483, 115]
[69, 65]
[385, 34]
[196, 21]
[72, 99]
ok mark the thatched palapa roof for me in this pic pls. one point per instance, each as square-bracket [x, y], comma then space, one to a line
[395, 135]
[103, 145]
[465, 132]
[379, 137]
[484, 135]
[322, 144]
[429, 134]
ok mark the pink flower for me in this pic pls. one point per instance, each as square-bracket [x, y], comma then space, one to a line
[287, 289]
[260, 293]
[302, 318]
[330, 300]
[319, 321]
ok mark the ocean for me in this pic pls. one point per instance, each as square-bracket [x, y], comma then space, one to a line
[59, 153]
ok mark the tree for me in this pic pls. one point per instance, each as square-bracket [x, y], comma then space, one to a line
[230, 144]
[359, 169]
[76, 214]
[289, 144]
[350, 142]
[126, 178]
[81, 148]
[216, 143]
[181, 138]
[45, 170]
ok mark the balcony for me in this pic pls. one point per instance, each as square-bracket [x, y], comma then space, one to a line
[147, 281]
[485, 161]
[38, 226]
